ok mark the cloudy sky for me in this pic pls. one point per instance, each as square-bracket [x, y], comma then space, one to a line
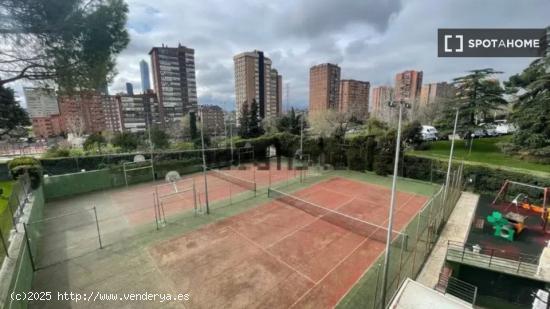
[370, 40]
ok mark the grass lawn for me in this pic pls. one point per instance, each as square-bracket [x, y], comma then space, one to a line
[5, 216]
[484, 152]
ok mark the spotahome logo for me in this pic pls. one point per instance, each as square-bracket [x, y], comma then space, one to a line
[491, 42]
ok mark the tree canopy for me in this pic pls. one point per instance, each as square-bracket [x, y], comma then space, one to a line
[71, 42]
[478, 95]
[531, 110]
[12, 115]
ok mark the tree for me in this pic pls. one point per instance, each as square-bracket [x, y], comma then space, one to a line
[478, 95]
[71, 42]
[126, 141]
[12, 115]
[244, 121]
[159, 138]
[412, 134]
[330, 123]
[254, 128]
[291, 123]
[193, 126]
[75, 125]
[531, 109]
[95, 141]
[385, 148]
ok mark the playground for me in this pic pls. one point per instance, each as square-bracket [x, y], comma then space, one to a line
[296, 240]
[514, 222]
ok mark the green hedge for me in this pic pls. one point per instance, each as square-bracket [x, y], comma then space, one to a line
[480, 179]
[78, 183]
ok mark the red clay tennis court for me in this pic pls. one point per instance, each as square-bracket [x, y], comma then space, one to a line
[136, 202]
[278, 255]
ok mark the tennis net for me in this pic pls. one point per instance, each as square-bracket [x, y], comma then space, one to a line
[345, 221]
[250, 185]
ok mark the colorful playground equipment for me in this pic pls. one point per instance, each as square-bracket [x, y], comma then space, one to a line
[525, 194]
[506, 226]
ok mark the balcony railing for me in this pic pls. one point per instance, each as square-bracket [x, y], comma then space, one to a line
[457, 288]
[520, 264]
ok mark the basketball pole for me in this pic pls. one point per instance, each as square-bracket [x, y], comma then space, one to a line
[204, 167]
[393, 199]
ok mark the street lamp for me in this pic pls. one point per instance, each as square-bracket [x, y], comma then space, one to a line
[471, 143]
[401, 105]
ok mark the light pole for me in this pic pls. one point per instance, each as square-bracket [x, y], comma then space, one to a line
[301, 136]
[471, 143]
[204, 166]
[448, 178]
[402, 104]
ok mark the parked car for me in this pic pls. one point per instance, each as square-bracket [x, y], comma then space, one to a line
[503, 127]
[429, 133]
[479, 133]
[490, 129]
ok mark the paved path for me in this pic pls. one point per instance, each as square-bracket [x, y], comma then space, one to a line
[456, 229]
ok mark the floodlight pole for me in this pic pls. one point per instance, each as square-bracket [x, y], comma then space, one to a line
[301, 136]
[231, 139]
[393, 200]
[448, 178]
[204, 167]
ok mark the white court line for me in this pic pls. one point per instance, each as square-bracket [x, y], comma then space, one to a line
[338, 264]
[272, 255]
[303, 226]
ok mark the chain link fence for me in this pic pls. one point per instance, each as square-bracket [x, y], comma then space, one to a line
[409, 254]
[11, 214]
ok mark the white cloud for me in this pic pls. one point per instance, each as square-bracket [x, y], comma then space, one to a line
[370, 40]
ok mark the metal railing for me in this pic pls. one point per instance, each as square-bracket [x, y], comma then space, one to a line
[456, 287]
[491, 258]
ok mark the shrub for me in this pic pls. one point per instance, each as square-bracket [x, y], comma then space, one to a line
[30, 165]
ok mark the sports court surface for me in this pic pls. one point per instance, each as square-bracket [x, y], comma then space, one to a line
[271, 252]
[278, 255]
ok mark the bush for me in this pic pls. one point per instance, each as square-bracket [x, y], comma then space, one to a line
[57, 152]
[30, 165]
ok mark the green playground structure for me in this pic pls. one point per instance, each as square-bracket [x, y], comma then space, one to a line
[503, 228]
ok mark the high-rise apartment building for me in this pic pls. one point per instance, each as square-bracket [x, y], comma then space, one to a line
[354, 98]
[381, 96]
[212, 117]
[432, 93]
[44, 111]
[145, 79]
[256, 80]
[324, 87]
[174, 80]
[275, 108]
[139, 112]
[129, 89]
[408, 85]
[112, 112]
[82, 112]
[41, 102]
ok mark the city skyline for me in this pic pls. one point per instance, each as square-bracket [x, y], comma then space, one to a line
[369, 42]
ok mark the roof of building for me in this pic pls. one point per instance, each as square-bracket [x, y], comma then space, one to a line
[414, 295]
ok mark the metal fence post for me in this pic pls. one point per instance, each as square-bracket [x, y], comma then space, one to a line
[155, 210]
[31, 257]
[97, 225]
[4, 243]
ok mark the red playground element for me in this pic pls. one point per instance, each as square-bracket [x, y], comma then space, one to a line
[523, 200]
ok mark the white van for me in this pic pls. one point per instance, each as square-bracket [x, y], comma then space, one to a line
[429, 133]
[503, 127]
